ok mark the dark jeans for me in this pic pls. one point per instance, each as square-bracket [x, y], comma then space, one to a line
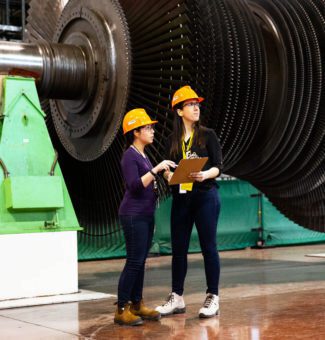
[138, 232]
[201, 208]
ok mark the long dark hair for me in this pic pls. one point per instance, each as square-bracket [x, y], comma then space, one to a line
[129, 138]
[179, 132]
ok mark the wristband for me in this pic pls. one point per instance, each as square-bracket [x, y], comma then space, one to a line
[152, 173]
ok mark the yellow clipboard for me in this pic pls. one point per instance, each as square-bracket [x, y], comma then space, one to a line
[185, 167]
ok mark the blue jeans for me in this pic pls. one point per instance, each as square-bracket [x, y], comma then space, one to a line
[201, 208]
[138, 233]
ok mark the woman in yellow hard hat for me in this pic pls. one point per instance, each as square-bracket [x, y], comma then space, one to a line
[136, 214]
[196, 202]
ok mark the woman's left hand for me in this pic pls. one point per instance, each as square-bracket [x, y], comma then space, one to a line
[198, 176]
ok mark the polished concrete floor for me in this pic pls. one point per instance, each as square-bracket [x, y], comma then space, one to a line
[276, 293]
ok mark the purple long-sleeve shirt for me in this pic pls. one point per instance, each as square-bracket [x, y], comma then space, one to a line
[137, 199]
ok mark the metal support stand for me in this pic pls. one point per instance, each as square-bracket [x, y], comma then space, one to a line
[260, 229]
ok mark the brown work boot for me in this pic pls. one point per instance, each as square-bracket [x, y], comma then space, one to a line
[146, 313]
[124, 317]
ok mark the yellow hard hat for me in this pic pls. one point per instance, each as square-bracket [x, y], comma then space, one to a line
[184, 93]
[136, 118]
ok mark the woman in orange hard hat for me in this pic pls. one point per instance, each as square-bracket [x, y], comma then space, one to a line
[136, 214]
[196, 202]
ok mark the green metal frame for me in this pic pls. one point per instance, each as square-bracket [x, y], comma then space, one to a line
[33, 194]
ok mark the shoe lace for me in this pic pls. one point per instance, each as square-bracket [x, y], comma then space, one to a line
[208, 301]
[169, 300]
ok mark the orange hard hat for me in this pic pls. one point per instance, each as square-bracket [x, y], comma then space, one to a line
[185, 93]
[136, 118]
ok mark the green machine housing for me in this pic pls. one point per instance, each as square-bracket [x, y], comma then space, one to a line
[33, 194]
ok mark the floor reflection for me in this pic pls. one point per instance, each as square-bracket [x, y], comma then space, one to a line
[265, 294]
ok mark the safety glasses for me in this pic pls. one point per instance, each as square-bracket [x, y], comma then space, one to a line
[192, 104]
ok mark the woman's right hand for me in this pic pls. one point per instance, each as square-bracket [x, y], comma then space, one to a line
[168, 175]
[164, 165]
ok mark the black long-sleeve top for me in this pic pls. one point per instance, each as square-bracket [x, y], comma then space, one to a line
[210, 149]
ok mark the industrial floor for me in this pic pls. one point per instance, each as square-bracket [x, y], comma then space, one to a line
[275, 293]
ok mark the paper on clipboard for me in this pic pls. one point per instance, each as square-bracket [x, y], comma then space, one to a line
[185, 167]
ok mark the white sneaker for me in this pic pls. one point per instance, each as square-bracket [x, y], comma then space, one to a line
[210, 307]
[174, 305]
